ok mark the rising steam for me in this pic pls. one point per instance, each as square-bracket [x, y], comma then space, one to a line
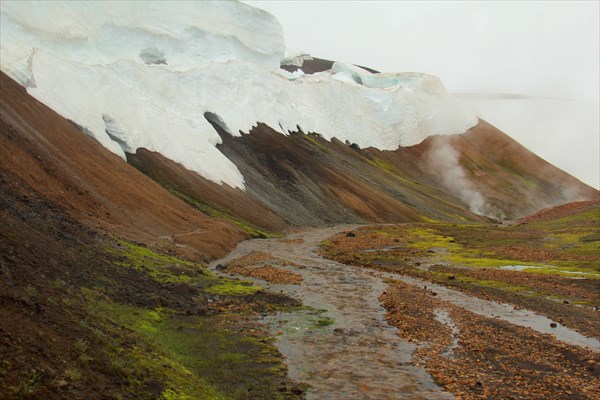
[443, 159]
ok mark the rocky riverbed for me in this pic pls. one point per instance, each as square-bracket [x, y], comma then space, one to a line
[428, 342]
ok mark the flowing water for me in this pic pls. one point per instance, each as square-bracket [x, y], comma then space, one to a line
[344, 348]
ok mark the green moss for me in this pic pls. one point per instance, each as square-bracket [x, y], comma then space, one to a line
[426, 238]
[170, 394]
[160, 267]
[389, 168]
[233, 288]
[325, 244]
[169, 269]
[384, 165]
[507, 287]
[213, 212]
[325, 321]
[315, 139]
[470, 246]
[147, 354]
[193, 357]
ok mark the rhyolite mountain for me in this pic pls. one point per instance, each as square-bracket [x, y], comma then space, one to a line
[216, 113]
[137, 137]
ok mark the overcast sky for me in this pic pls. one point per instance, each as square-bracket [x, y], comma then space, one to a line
[546, 50]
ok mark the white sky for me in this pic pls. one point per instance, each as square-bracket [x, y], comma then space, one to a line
[543, 49]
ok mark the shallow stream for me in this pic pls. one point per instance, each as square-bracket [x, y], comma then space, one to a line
[348, 350]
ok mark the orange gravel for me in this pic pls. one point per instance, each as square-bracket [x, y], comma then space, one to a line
[267, 273]
[493, 359]
[259, 265]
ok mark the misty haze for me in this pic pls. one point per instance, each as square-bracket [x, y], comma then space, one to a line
[299, 200]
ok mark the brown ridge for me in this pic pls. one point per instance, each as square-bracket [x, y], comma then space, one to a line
[41, 152]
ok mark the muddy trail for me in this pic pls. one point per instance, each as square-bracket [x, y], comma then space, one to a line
[343, 347]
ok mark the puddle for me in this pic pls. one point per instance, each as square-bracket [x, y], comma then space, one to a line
[518, 267]
[557, 270]
[386, 248]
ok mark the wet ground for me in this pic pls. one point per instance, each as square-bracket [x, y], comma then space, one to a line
[349, 350]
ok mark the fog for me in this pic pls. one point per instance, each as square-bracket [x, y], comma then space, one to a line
[444, 160]
[533, 66]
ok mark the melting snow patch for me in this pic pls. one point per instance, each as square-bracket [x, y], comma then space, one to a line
[211, 63]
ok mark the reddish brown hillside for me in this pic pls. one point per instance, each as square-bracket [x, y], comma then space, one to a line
[561, 211]
[41, 153]
[511, 179]
[304, 180]
[311, 181]
[209, 196]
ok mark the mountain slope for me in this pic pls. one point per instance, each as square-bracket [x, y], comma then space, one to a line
[511, 180]
[89, 313]
[45, 154]
[308, 181]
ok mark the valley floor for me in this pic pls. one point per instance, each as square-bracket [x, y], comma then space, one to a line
[411, 311]
[474, 331]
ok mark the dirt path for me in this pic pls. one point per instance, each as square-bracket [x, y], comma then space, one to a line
[350, 351]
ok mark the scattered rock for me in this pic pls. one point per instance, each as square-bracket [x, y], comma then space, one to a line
[62, 383]
[345, 332]
[297, 390]
[350, 234]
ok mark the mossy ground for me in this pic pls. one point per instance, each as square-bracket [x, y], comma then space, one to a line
[168, 269]
[563, 256]
[190, 356]
[119, 320]
[171, 355]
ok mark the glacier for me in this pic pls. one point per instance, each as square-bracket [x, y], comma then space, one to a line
[152, 74]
